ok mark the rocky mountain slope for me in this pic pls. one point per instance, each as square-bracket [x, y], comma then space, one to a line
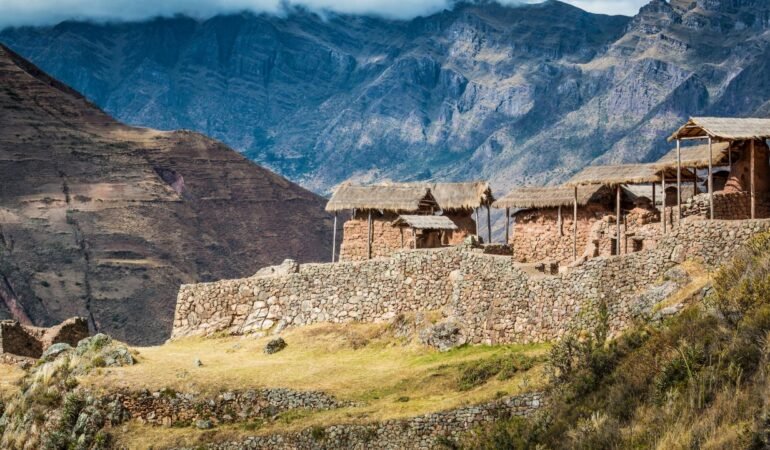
[102, 220]
[517, 94]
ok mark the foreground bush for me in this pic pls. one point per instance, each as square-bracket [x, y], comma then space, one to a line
[698, 381]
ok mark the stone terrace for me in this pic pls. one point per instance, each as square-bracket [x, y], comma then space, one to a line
[490, 297]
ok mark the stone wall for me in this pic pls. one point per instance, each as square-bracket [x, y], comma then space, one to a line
[727, 206]
[422, 432]
[387, 239]
[174, 408]
[491, 297]
[538, 235]
[28, 341]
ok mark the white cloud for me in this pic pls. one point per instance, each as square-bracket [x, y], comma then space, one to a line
[43, 12]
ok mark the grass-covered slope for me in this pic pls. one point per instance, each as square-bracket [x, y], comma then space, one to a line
[700, 380]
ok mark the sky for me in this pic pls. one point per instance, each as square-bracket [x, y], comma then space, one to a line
[47, 12]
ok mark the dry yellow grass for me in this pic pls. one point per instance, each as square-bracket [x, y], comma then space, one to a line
[363, 363]
[699, 278]
[9, 378]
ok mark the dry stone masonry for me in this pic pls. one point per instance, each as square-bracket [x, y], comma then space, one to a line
[422, 432]
[490, 297]
[174, 408]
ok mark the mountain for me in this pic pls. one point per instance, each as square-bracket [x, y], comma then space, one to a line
[102, 220]
[519, 95]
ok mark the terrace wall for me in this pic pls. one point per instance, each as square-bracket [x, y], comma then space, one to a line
[491, 297]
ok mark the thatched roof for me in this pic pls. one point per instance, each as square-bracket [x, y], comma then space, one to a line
[424, 222]
[381, 197]
[696, 156]
[617, 174]
[467, 195]
[549, 196]
[724, 128]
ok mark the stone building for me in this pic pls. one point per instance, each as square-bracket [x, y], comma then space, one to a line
[638, 226]
[460, 202]
[371, 230]
[739, 146]
[543, 220]
[387, 202]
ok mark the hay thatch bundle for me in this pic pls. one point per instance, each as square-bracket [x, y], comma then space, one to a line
[617, 174]
[696, 156]
[468, 195]
[550, 196]
[383, 197]
[724, 128]
[425, 222]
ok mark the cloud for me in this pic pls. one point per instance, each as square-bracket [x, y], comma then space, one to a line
[46, 12]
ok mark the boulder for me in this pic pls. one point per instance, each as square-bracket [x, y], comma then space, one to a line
[275, 346]
[443, 336]
[56, 350]
[286, 267]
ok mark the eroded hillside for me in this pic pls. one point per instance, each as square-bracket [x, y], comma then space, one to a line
[105, 221]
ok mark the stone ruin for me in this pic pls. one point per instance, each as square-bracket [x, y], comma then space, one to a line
[18, 341]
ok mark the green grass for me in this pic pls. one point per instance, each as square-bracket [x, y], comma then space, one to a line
[363, 363]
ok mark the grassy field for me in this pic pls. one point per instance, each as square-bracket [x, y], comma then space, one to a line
[362, 363]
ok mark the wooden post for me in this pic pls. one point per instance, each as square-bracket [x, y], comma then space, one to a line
[694, 181]
[402, 236]
[574, 225]
[617, 218]
[414, 238]
[654, 204]
[663, 198]
[559, 227]
[753, 194]
[507, 225]
[711, 182]
[678, 181]
[334, 238]
[489, 226]
[369, 238]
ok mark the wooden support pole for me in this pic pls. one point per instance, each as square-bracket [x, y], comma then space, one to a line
[695, 181]
[663, 198]
[334, 238]
[654, 204]
[559, 227]
[507, 225]
[489, 226]
[617, 219]
[414, 238]
[369, 238]
[574, 225]
[711, 181]
[678, 181]
[753, 174]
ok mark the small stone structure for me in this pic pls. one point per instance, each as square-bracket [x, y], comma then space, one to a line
[30, 342]
[421, 432]
[491, 298]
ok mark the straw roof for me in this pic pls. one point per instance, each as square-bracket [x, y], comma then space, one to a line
[549, 196]
[381, 197]
[724, 128]
[425, 222]
[467, 195]
[696, 156]
[617, 174]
